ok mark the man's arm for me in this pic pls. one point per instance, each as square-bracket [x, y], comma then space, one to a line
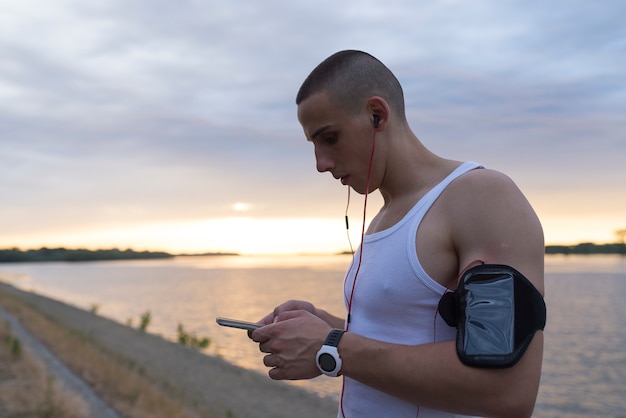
[432, 375]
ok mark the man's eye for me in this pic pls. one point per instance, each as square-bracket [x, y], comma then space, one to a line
[330, 139]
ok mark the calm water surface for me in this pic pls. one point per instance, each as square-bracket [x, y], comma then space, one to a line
[584, 372]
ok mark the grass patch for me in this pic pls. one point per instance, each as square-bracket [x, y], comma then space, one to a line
[26, 390]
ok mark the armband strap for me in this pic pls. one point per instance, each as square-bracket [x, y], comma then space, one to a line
[496, 311]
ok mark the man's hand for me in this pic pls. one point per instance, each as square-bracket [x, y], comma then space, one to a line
[290, 305]
[291, 338]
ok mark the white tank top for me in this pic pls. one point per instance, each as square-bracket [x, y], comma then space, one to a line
[395, 301]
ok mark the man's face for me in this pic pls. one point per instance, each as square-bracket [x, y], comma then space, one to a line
[342, 141]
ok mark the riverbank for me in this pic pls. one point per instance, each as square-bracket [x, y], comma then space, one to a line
[203, 383]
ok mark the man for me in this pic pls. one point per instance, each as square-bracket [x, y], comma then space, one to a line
[439, 217]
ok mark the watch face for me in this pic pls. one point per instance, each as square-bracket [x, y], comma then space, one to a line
[327, 362]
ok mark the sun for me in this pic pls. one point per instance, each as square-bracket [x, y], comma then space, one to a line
[241, 207]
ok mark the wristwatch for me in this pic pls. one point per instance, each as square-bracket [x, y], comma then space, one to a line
[328, 360]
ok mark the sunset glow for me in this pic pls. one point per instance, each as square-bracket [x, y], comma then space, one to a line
[270, 236]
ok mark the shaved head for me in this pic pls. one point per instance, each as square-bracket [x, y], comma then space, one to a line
[350, 78]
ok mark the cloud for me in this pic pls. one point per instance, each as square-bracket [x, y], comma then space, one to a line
[118, 113]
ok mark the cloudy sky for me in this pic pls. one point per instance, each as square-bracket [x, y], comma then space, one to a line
[171, 125]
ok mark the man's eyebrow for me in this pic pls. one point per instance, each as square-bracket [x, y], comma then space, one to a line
[319, 131]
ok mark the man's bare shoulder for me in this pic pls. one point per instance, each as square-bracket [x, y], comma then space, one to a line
[491, 220]
[484, 189]
[484, 180]
[487, 197]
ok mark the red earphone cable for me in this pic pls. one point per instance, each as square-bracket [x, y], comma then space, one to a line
[347, 223]
[367, 189]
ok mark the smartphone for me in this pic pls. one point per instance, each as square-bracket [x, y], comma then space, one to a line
[235, 323]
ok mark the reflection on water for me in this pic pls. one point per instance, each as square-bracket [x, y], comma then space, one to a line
[609, 263]
[316, 262]
[584, 372]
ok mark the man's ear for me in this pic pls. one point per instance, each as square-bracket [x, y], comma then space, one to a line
[379, 111]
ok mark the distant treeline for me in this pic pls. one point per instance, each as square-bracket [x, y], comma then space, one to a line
[62, 254]
[14, 255]
[587, 248]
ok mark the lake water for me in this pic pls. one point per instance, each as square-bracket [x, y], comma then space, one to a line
[584, 371]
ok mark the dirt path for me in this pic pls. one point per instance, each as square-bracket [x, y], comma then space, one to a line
[97, 408]
[207, 380]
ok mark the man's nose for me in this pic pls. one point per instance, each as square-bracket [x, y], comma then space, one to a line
[323, 162]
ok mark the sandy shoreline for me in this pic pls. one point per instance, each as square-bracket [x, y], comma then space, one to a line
[203, 379]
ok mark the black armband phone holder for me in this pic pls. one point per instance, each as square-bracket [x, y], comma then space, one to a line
[496, 311]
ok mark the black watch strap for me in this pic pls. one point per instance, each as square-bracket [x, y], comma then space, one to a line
[333, 337]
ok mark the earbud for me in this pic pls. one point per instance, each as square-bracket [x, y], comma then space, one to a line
[376, 121]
